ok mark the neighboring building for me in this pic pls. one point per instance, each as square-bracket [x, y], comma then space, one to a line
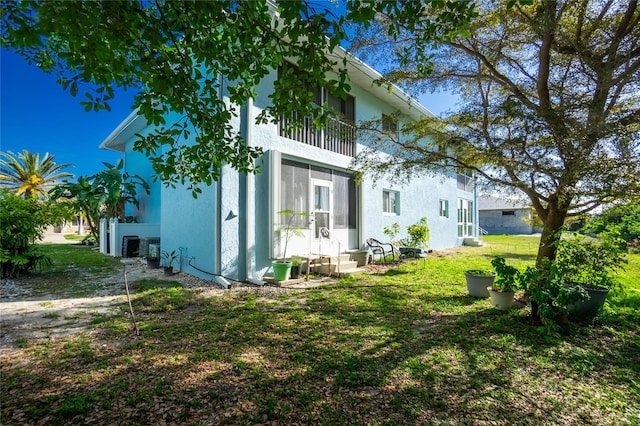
[230, 229]
[497, 216]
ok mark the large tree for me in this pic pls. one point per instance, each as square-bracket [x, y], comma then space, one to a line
[29, 175]
[550, 103]
[179, 55]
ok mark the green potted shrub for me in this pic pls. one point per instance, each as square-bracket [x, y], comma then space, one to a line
[586, 267]
[478, 281]
[504, 287]
[168, 259]
[282, 266]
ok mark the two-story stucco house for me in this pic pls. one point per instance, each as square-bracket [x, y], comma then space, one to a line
[230, 230]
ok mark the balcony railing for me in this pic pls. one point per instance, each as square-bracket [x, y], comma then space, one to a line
[336, 136]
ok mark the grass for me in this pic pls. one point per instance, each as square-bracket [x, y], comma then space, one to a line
[77, 271]
[75, 237]
[404, 347]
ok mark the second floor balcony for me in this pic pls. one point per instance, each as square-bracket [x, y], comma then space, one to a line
[336, 136]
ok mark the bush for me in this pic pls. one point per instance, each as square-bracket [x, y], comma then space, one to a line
[623, 221]
[22, 224]
[419, 234]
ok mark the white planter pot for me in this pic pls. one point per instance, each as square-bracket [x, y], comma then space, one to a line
[477, 284]
[501, 300]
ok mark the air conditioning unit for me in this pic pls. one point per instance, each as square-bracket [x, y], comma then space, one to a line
[144, 245]
[154, 251]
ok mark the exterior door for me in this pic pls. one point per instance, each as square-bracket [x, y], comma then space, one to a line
[465, 218]
[322, 208]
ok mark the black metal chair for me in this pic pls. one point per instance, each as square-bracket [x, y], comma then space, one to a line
[377, 247]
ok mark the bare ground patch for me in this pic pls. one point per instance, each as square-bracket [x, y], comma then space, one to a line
[27, 314]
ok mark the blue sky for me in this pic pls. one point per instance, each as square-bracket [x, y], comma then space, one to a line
[38, 115]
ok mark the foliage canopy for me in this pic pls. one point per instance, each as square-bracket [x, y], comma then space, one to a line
[102, 195]
[550, 103]
[22, 225]
[181, 56]
[28, 175]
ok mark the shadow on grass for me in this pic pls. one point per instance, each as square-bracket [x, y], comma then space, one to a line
[510, 256]
[361, 355]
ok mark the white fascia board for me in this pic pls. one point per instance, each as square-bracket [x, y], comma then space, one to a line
[131, 125]
[365, 76]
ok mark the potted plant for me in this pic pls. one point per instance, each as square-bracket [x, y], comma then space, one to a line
[168, 259]
[478, 280]
[586, 267]
[296, 262]
[282, 266]
[504, 287]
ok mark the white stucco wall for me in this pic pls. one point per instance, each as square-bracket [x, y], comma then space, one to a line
[494, 222]
[211, 231]
[148, 210]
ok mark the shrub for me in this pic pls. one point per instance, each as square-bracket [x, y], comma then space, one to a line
[22, 224]
[418, 234]
[621, 220]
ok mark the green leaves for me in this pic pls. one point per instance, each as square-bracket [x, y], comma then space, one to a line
[182, 57]
[104, 194]
[166, 52]
[22, 225]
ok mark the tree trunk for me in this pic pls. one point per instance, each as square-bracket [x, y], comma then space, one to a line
[553, 223]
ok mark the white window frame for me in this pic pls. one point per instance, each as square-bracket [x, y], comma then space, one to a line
[390, 125]
[389, 208]
[444, 208]
[465, 180]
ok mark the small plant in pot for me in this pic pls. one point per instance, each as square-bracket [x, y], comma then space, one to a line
[168, 259]
[296, 262]
[504, 287]
[478, 280]
[282, 266]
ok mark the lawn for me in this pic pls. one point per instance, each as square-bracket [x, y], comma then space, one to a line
[404, 347]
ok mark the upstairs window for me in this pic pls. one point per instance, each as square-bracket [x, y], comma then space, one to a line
[444, 208]
[465, 181]
[389, 125]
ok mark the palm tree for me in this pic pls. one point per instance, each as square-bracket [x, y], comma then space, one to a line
[27, 175]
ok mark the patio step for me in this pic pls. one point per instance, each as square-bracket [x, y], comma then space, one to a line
[326, 267]
[351, 271]
[472, 242]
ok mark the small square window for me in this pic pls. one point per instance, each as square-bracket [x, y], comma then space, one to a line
[444, 208]
[391, 202]
[389, 125]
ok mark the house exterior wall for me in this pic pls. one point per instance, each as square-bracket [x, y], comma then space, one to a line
[228, 229]
[188, 227]
[494, 222]
[148, 210]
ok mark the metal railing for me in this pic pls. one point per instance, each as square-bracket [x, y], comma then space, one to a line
[336, 136]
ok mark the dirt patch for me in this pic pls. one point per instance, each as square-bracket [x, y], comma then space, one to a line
[26, 315]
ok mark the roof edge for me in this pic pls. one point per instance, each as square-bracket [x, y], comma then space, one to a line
[115, 141]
